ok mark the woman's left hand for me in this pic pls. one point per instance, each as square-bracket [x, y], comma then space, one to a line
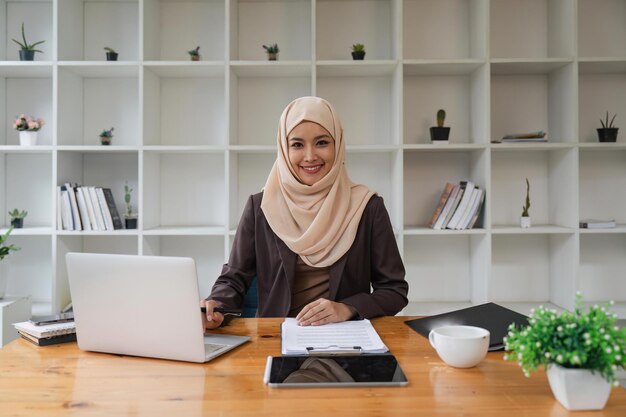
[324, 311]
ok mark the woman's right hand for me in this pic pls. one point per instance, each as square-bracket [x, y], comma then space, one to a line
[210, 319]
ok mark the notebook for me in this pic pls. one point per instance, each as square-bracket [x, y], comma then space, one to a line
[490, 316]
[47, 330]
[141, 306]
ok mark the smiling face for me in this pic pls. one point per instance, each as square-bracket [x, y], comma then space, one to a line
[311, 152]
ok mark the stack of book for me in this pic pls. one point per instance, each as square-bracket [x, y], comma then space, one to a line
[47, 334]
[86, 208]
[539, 136]
[459, 207]
[597, 224]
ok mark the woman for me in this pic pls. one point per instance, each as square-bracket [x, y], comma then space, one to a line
[314, 240]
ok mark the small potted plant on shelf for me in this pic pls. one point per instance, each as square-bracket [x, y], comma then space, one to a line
[580, 352]
[194, 54]
[17, 218]
[130, 218]
[27, 51]
[607, 133]
[106, 136]
[111, 54]
[28, 127]
[525, 217]
[272, 51]
[5, 250]
[358, 52]
[440, 133]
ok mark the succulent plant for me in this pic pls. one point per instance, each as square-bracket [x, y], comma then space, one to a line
[441, 117]
[605, 123]
[358, 47]
[107, 133]
[25, 45]
[195, 51]
[106, 48]
[129, 207]
[17, 214]
[272, 48]
[527, 205]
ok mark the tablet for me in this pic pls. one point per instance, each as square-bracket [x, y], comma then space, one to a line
[333, 371]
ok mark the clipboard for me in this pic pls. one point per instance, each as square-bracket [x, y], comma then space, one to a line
[490, 316]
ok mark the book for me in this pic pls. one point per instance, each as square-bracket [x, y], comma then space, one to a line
[68, 222]
[447, 207]
[106, 214]
[458, 213]
[597, 224]
[74, 205]
[47, 341]
[455, 204]
[490, 316]
[47, 330]
[476, 214]
[96, 208]
[115, 216]
[354, 336]
[465, 217]
[82, 209]
[447, 190]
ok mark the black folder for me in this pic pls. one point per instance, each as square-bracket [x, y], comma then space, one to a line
[490, 316]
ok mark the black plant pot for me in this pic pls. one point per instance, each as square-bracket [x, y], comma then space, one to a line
[358, 56]
[608, 134]
[26, 55]
[111, 56]
[131, 223]
[439, 133]
[17, 223]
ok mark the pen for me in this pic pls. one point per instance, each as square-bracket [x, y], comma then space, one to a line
[225, 311]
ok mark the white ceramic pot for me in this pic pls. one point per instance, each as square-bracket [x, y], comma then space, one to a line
[578, 389]
[28, 138]
[524, 222]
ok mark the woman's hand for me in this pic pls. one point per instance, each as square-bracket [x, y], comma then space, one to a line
[324, 311]
[211, 320]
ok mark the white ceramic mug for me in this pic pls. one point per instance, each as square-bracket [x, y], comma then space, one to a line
[460, 346]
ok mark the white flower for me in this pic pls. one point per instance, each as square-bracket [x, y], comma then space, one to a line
[547, 355]
[616, 383]
[618, 357]
[559, 329]
[609, 350]
[538, 344]
[602, 330]
[520, 356]
[607, 337]
[575, 359]
[559, 358]
[586, 335]
[522, 347]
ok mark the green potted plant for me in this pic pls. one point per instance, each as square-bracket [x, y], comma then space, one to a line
[27, 51]
[608, 132]
[106, 136]
[580, 352]
[17, 218]
[358, 52]
[129, 218]
[439, 132]
[194, 54]
[525, 218]
[5, 250]
[272, 51]
[111, 54]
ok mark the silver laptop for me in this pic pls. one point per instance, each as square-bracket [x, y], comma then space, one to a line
[141, 306]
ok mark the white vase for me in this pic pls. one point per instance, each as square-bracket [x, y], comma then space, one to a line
[578, 389]
[524, 222]
[28, 138]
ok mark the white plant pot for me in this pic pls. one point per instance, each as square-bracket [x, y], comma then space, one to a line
[524, 222]
[578, 389]
[28, 138]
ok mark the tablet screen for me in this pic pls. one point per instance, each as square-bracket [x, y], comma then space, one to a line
[365, 370]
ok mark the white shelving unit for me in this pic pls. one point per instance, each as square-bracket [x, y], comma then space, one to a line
[195, 139]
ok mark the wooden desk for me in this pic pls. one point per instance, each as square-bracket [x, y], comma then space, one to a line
[62, 380]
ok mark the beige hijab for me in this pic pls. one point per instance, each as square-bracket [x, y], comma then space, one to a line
[319, 221]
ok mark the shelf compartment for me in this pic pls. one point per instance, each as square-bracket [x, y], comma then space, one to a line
[183, 190]
[422, 192]
[86, 27]
[184, 231]
[248, 175]
[29, 270]
[602, 266]
[27, 185]
[464, 98]
[184, 111]
[441, 66]
[532, 102]
[601, 30]
[171, 28]
[177, 69]
[356, 100]
[337, 29]
[207, 252]
[289, 27]
[552, 177]
[29, 96]
[602, 176]
[532, 29]
[541, 229]
[618, 229]
[37, 18]
[257, 103]
[92, 104]
[550, 277]
[271, 68]
[599, 93]
[501, 66]
[447, 269]
[356, 68]
[26, 69]
[465, 22]
[602, 65]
